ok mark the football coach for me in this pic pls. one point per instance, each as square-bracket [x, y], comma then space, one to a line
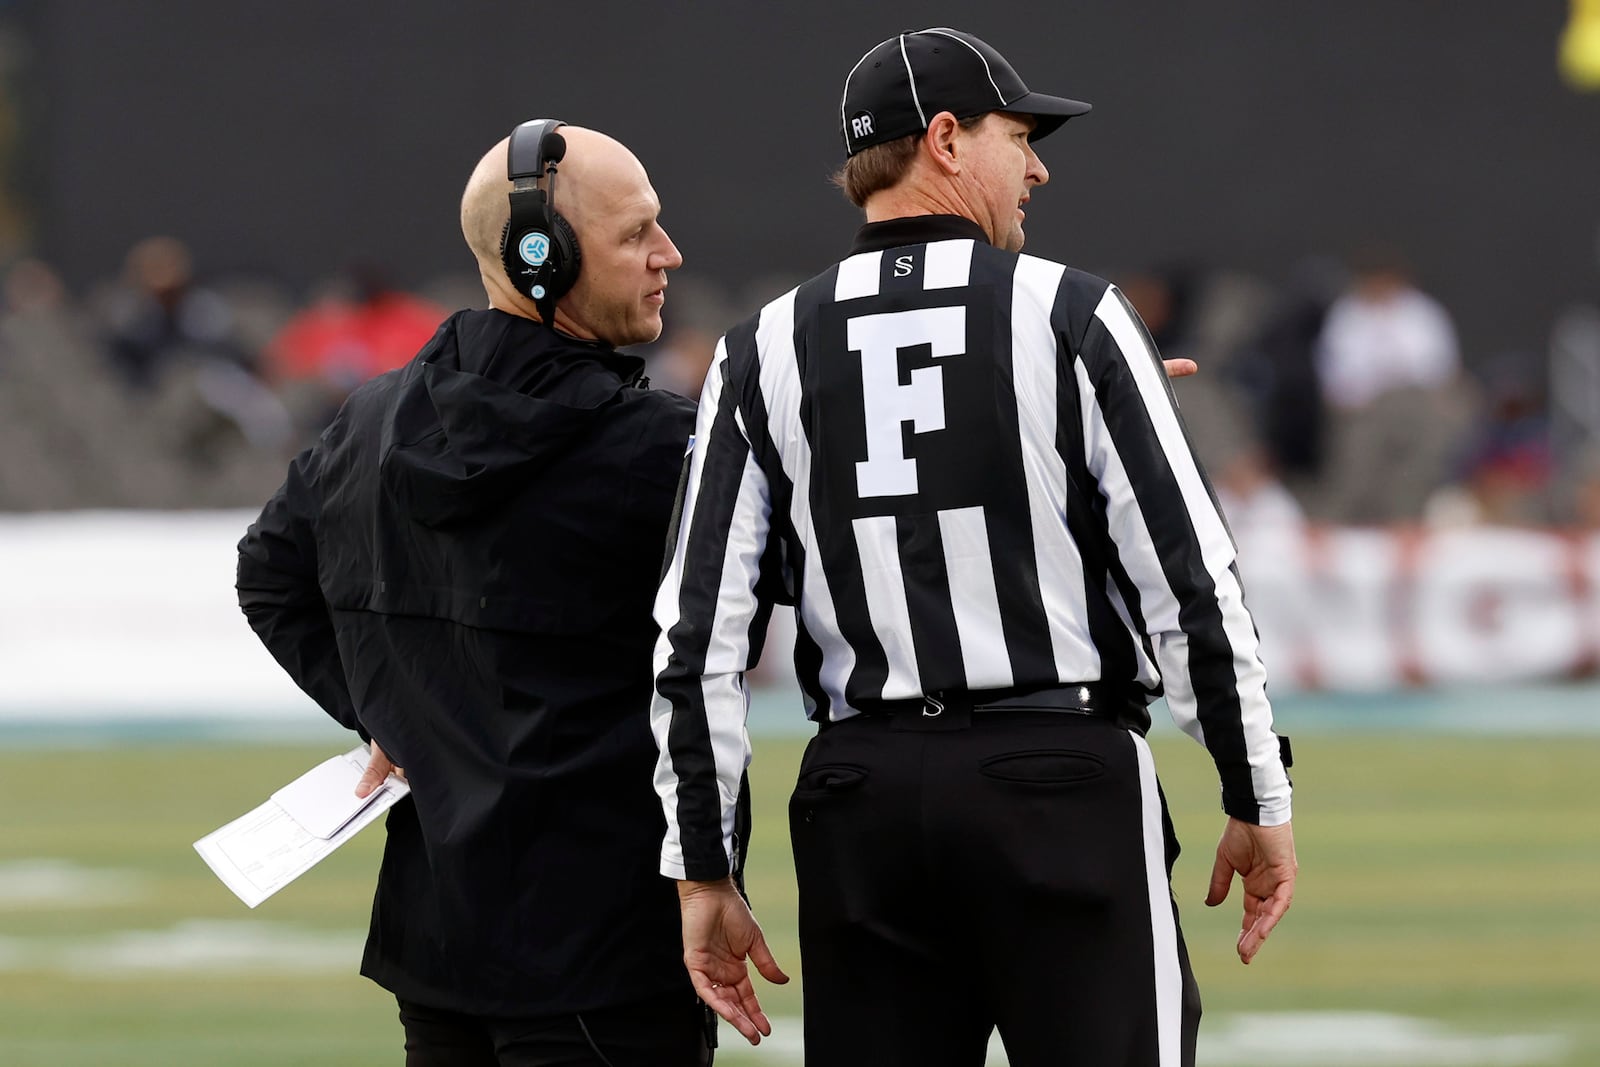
[965, 467]
[461, 570]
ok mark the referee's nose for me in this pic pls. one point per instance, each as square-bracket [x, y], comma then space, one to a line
[1037, 173]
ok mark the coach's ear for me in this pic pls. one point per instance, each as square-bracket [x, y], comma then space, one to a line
[940, 142]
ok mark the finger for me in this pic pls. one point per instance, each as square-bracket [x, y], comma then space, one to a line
[1252, 910]
[1267, 914]
[750, 1004]
[1251, 940]
[371, 778]
[1221, 879]
[1273, 908]
[1247, 947]
[1181, 368]
[762, 957]
[721, 1000]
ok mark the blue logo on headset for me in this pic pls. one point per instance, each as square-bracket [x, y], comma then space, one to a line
[534, 248]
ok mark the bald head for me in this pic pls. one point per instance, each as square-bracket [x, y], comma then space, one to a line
[485, 207]
[594, 168]
[605, 194]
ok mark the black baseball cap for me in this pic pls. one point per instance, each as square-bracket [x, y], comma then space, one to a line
[894, 89]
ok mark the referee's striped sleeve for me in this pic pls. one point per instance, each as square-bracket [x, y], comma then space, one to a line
[1173, 541]
[704, 609]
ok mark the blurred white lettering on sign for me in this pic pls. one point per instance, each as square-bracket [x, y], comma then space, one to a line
[1374, 609]
[110, 615]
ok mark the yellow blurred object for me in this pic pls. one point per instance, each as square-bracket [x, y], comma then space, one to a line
[1580, 46]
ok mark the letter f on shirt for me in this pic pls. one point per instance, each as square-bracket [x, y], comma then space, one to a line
[878, 339]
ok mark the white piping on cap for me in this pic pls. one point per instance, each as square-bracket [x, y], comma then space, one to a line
[913, 78]
[944, 32]
[843, 125]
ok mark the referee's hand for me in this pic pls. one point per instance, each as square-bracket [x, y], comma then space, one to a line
[1263, 856]
[719, 934]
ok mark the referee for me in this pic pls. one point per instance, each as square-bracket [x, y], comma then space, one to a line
[965, 468]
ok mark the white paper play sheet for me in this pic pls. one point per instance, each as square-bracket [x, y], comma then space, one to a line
[264, 850]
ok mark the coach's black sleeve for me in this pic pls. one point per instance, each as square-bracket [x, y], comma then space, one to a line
[279, 594]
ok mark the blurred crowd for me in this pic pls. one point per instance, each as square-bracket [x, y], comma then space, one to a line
[1336, 394]
[163, 390]
[1339, 394]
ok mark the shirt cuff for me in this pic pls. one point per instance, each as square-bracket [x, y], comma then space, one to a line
[1273, 812]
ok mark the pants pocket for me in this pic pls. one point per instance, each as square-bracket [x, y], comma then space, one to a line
[829, 781]
[1044, 767]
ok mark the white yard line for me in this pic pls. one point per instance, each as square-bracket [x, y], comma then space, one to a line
[1370, 1039]
[54, 883]
[220, 948]
[1282, 1039]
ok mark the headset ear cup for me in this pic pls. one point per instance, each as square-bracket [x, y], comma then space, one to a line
[537, 246]
[567, 254]
[526, 218]
[506, 260]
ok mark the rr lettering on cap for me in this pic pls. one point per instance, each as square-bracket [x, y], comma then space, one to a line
[861, 125]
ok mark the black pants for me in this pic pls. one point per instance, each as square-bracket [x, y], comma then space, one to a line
[983, 870]
[665, 1032]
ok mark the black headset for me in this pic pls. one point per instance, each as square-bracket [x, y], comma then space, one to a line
[538, 248]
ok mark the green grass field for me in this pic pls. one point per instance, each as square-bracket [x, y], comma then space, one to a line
[1453, 880]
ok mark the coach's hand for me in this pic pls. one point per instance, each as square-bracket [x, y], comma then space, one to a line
[719, 933]
[379, 767]
[1264, 858]
[1180, 368]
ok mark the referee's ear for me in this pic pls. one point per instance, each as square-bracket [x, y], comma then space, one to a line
[940, 142]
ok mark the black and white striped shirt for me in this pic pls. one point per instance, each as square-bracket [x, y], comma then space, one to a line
[895, 447]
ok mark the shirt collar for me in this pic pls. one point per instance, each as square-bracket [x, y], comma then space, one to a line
[915, 230]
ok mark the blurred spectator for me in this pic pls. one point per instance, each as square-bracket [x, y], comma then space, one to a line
[1586, 494]
[1199, 313]
[1391, 376]
[158, 316]
[357, 328]
[174, 344]
[1252, 498]
[1278, 371]
[1384, 334]
[72, 435]
[16, 55]
[1164, 298]
[1508, 464]
[1207, 315]
[62, 413]
[1574, 391]
[259, 307]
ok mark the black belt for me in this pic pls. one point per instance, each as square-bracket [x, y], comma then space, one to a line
[1112, 703]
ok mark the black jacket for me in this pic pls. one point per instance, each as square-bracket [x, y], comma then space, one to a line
[463, 568]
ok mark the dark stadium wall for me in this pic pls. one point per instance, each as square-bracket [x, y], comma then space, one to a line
[288, 139]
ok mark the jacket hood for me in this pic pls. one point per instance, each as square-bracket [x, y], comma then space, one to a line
[489, 402]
